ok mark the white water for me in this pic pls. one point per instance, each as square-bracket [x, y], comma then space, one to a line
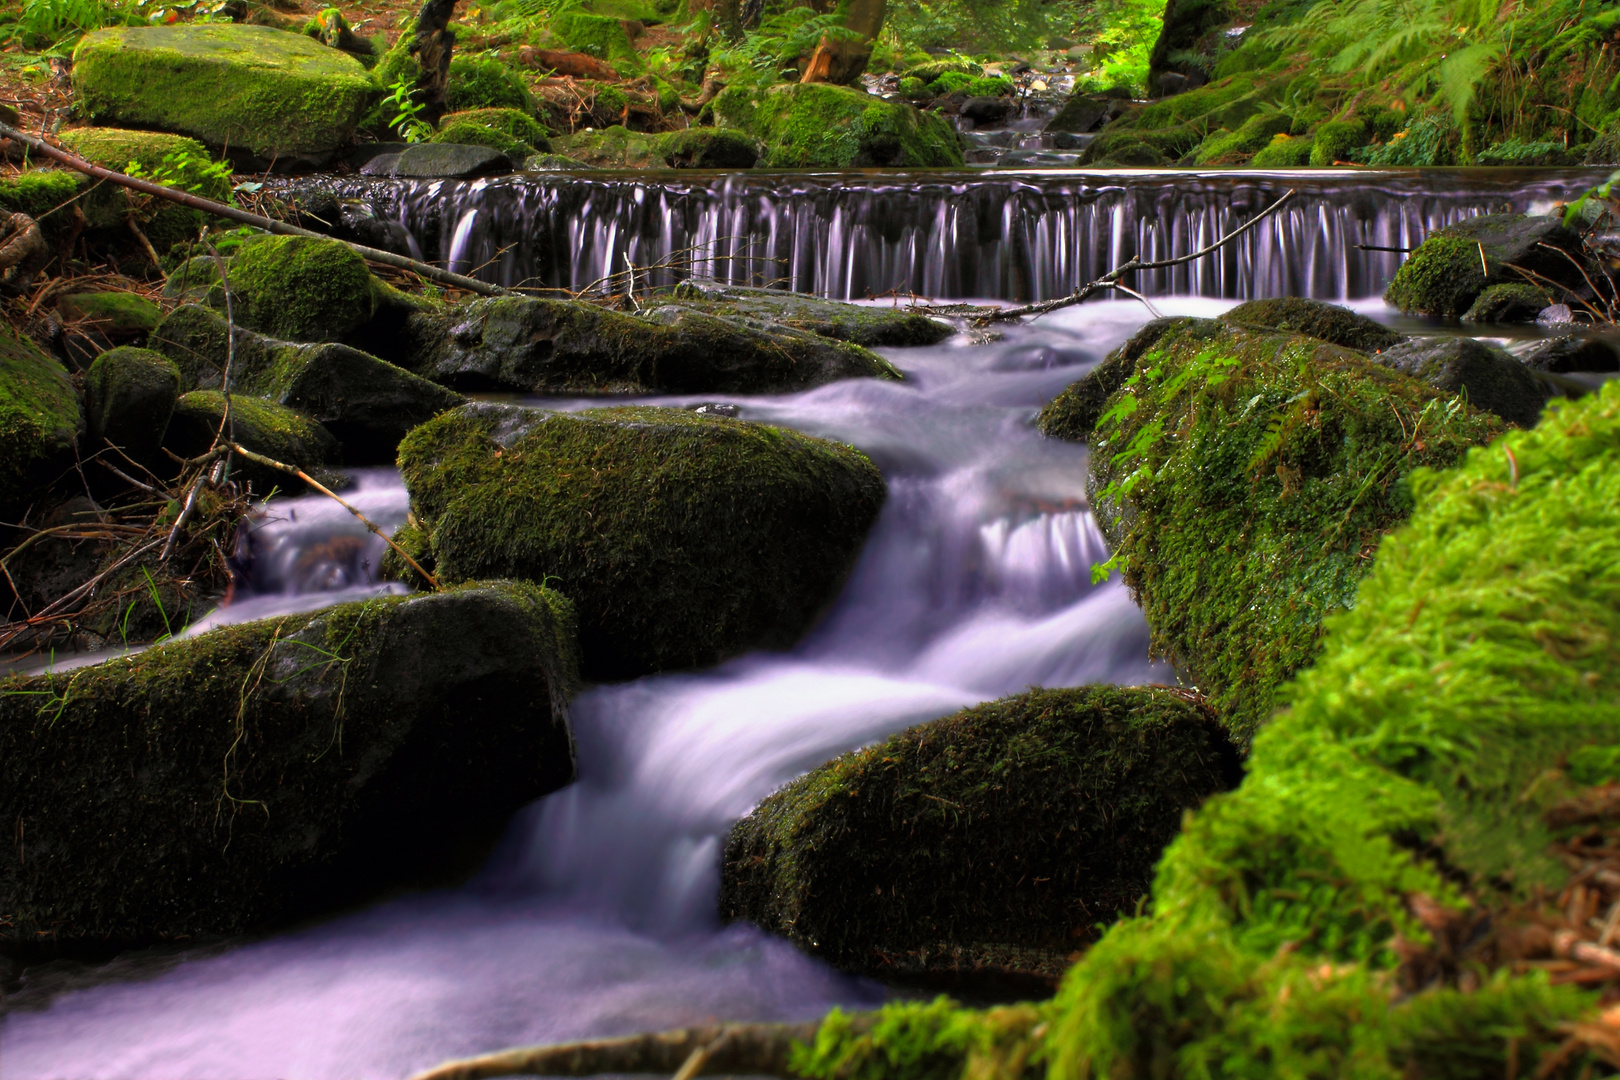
[598, 915]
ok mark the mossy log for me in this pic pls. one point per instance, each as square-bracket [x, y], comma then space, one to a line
[261, 772]
[989, 843]
[681, 538]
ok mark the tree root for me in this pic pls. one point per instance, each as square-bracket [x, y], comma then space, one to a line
[23, 251]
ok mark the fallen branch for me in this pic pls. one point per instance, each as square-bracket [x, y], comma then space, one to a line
[219, 209]
[718, 1049]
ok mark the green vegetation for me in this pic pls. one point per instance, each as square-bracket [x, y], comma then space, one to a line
[39, 419]
[681, 538]
[1000, 837]
[261, 425]
[1451, 268]
[833, 127]
[1269, 463]
[511, 131]
[172, 160]
[300, 289]
[477, 83]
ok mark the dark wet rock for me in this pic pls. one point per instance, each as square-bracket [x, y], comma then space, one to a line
[682, 538]
[1561, 355]
[39, 419]
[1450, 269]
[440, 161]
[1488, 376]
[935, 851]
[534, 345]
[366, 403]
[707, 148]
[129, 397]
[988, 110]
[859, 324]
[1507, 304]
[260, 773]
[1080, 113]
[1313, 318]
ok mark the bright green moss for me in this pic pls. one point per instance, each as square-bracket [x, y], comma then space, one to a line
[818, 125]
[510, 131]
[39, 418]
[936, 849]
[1195, 103]
[600, 36]
[1244, 479]
[995, 86]
[949, 82]
[301, 289]
[614, 147]
[1507, 304]
[1336, 140]
[39, 191]
[934, 69]
[682, 538]
[913, 87]
[1253, 135]
[248, 87]
[173, 160]
[1442, 277]
[121, 314]
[480, 83]
[1284, 152]
[467, 134]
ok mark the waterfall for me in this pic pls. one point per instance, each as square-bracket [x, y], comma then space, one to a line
[987, 234]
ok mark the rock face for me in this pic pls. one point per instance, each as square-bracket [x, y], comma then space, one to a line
[39, 419]
[511, 131]
[367, 403]
[821, 126]
[251, 88]
[1561, 355]
[681, 538]
[129, 397]
[534, 345]
[994, 840]
[1450, 269]
[262, 772]
[1313, 318]
[873, 327]
[707, 148]
[1240, 532]
[1489, 376]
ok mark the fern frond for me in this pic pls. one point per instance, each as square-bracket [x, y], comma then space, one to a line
[1461, 75]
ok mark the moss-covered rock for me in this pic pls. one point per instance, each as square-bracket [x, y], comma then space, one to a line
[615, 147]
[681, 538]
[1284, 151]
[1236, 147]
[1243, 478]
[170, 159]
[556, 346]
[600, 36]
[554, 163]
[996, 839]
[485, 83]
[121, 316]
[1336, 140]
[1449, 270]
[301, 289]
[130, 395]
[260, 425]
[1313, 318]
[511, 131]
[873, 327]
[39, 419]
[1488, 377]
[818, 125]
[260, 772]
[248, 87]
[37, 190]
[707, 148]
[931, 71]
[366, 403]
[1507, 304]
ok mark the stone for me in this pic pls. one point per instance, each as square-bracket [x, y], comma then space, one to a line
[448, 161]
[818, 125]
[39, 420]
[707, 148]
[366, 403]
[614, 147]
[121, 316]
[297, 288]
[682, 538]
[1562, 355]
[261, 773]
[130, 395]
[986, 111]
[258, 424]
[174, 159]
[268, 92]
[511, 131]
[533, 345]
[1449, 270]
[992, 842]
[1080, 113]
[553, 163]
[1488, 376]
[1507, 304]
[1314, 318]
[861, 324]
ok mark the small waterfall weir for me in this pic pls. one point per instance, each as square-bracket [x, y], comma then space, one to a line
[988, 234]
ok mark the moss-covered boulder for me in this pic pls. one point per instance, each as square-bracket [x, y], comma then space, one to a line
[1251, 136]
[1243, 478]
[555, 346]
[1450, 269]
[35, 191]
[511, 131]
[170, 159]
[818, 125]
[130, 395]
[613, 147]
[707, 148]
[1316, 319]
[485, 83]
[1336, 140]
[121, 316]
[859, 324]
[601, 36]
[1486, 375]
[1519, 303]
[250, 88]
[298, 288]
[261, 772]
[39, 419]
[367, 403]
[681, 538]
[992, 841]
[259, 425]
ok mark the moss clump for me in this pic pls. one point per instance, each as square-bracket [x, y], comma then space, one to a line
[1244, 479]
[997, 86]
[706, 148]
[38, 190]
[39, 419]
[510, 131]
[129, 397]
[615, 147]
[248, 87]
[1236, 147]
[1313, 318]
[119, 315]
[173, 160]
[1336, 140]
[950, 82]
[599, 36]
[261, 425]
[818, 125]
[997, 838]
[301, 289]
[479, 84]
[932, 71]
[1284, 152]
[260, 772]
[1442, 277]
[681, 538]
[912, 88]
[1198, 103]
[1507, 304]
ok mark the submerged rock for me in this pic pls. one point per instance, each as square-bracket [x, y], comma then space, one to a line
[1313, 318]
[872, 327]
[1450, 269]
[1243, 529]
[274, 94]
[39, 419]
[130, 395]
[552, 346]
[821, 126]
[993, 841]
[259, 773]
[367, 403]
[1488, 376]
[682, 538]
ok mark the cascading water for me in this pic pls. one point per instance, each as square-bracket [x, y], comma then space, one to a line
[987, 234]
[598, 914]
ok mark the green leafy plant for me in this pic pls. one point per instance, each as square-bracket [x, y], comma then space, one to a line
[407, 112]
[54, 25]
